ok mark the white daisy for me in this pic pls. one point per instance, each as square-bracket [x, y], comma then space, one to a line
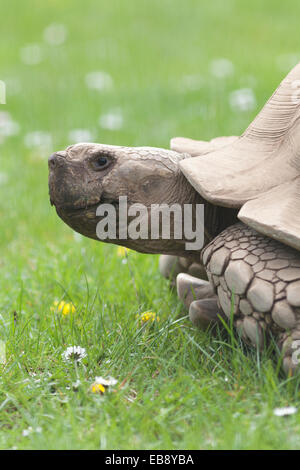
[8, 127]
[30, 430]
[285, 411]
[242, 100]
[27, 431]
[55, 34]
[31, 54]
[39, 139]
[109, 382]
[112, 121]
[221, 68]
[74, 353]
[80, 135]
[99, 80]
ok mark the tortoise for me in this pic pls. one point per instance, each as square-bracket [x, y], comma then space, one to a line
[249, 266]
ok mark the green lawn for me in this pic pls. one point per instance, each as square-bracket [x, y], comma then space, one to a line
[177, 388]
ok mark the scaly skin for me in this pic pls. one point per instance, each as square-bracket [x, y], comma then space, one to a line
[255, 278]
[263, 274]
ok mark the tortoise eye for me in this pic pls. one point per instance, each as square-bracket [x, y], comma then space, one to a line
[100, 163]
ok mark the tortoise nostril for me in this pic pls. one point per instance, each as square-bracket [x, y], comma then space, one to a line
[53, 160]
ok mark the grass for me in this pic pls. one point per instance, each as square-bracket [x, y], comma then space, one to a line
[177, 388]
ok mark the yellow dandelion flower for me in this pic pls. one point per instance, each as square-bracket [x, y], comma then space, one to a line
[97, 388]
[148, 316]
[61, 305]
[122, 251]
[67, 308]
[101, 385]
[64, 307]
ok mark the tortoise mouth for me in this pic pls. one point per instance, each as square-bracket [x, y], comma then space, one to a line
[77, 209]
[83, 218]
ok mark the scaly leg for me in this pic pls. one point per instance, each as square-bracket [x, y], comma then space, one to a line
[198, 296]
[170, 266]
[196, 293]
[258, 280]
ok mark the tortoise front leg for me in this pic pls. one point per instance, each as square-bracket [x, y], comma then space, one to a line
[258, 280]
[199, 297]
[170, 266]
[193, 289]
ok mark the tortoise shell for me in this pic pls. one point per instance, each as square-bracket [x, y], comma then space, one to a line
[258, 172]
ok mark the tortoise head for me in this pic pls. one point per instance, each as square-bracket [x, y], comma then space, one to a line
[85, 177]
